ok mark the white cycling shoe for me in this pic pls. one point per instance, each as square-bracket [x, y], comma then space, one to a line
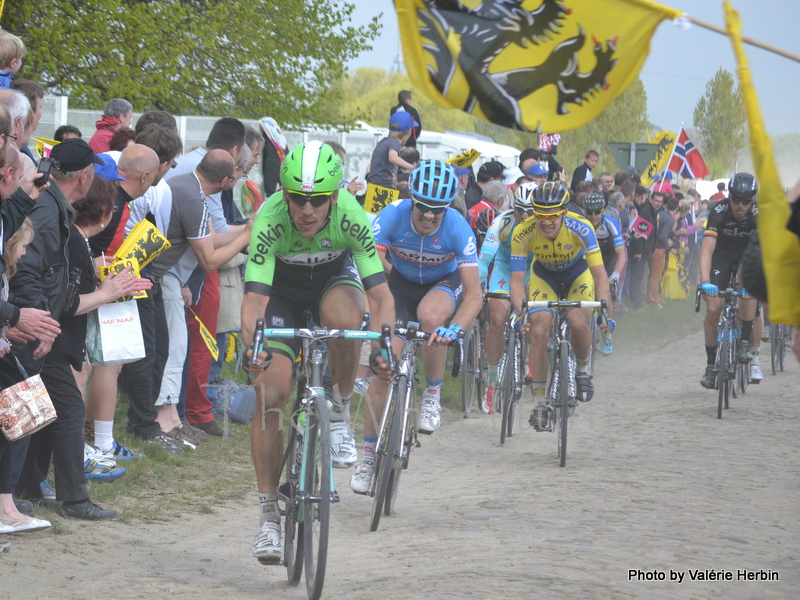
[267, 544]
[756, 375]
[429, 418]
[343, 447]
[361, 480]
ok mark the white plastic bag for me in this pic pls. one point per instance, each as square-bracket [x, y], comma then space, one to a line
[114, 334]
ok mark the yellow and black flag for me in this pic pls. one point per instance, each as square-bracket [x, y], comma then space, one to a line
[550, 65]
[666, 142]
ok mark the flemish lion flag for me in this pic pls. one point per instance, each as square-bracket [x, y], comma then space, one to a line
[665, 141]
[780, 248]
[552, 65]
[378, 196]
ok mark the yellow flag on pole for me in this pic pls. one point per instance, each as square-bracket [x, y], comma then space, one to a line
[779, 247]
[209, 340]
[665, 141]
[551, 65]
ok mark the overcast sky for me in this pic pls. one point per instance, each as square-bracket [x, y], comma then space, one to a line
[680, 62]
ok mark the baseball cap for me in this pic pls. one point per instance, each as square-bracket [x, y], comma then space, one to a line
[493, 170]
[108, 170]
[537, 169]
[402, 121]
[73, 154]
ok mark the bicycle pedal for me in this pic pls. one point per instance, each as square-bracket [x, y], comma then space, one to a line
[334, 497]
[272, 562]
[416, 444]
[424, 432]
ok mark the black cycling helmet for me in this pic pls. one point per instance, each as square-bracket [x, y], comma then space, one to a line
[594, 202]
[551, 194]
[743, 186]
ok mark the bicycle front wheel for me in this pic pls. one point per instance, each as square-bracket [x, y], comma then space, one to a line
[385, 455]
[401, 461]
[563, 401]
[317, 506]
[774, 346]
[505, 388]
[786, 342]
[723, 357]
[470, 370]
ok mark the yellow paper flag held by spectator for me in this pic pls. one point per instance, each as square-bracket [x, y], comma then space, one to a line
[465, 159]
[665, 141]
[116, 268]
[378, 196]
[780, 248]
[143, 244]
[209, 340]
[554, 67]
[44, 145]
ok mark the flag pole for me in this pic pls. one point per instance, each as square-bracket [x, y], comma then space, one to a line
[675, 145]
[745, 39]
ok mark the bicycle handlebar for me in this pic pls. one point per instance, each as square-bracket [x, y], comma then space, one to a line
[321, 333]
[498, 295]
[566, 304]
[412, 333]
[726, 294]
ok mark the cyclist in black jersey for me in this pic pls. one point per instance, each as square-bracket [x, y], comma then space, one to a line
[730, 225]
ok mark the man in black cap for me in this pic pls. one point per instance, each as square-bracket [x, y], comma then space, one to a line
[43, 281]
[489, 171]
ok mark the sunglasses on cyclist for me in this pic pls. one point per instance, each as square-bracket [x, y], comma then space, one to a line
[435, 208]
[741, 201]
[316, 201]
[594, 212]
[548, 216]
[524, 211]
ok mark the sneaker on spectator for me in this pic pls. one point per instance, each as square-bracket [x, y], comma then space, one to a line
[709, 379]
[267, 544]
[343, 447]
[487, 403]
[96, 472]
[194, 432]
[92, 453]
[175, 434]
[756, 375]
[429, 418]
[361, 480]
[213, 428]
[168, 444]
[48, 491]
[120, 452]
[608, 347]
[24, 506]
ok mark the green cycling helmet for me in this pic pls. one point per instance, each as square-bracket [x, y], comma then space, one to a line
[312, 169]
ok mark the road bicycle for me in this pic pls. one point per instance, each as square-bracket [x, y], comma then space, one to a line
[781, 337]
[308, 489]
[726, 363]
[510, 374]
[398, 432]
[475, 364]
[562, 397]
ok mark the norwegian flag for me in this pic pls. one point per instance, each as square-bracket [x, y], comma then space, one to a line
[686, 160]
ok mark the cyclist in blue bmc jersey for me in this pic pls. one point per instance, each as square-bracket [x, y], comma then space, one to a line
[433, 261]
[612, 246]
[496, 253]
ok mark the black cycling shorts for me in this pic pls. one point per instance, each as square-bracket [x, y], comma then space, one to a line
[289, 306]
[408, 295]
[723, 265]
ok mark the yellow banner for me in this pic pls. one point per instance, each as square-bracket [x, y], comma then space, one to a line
[780, 248]
[551, 65]
[143, 244]
[465, 159]
[666, 142]
[209, 340]
[378, 196]
[44, 145]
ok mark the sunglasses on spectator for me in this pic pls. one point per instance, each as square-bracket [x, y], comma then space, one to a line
[173, 164]
[316, 201]
[435, 208]
[742, 201]
[548, 216]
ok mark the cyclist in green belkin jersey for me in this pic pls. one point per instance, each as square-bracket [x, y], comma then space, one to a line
[311, 247]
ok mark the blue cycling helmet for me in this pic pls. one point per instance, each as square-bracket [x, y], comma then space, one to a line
[433, 180]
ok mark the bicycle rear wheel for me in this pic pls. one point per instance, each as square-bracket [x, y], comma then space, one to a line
[786, 341]
[504, 391]
[722, 370]
[774, 346]
[470, 370]
[563, 401]
[597, 344]
[317, 505]
[293, 534]
[385, 455]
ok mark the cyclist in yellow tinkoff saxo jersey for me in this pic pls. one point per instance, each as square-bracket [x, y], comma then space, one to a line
[566, 259]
